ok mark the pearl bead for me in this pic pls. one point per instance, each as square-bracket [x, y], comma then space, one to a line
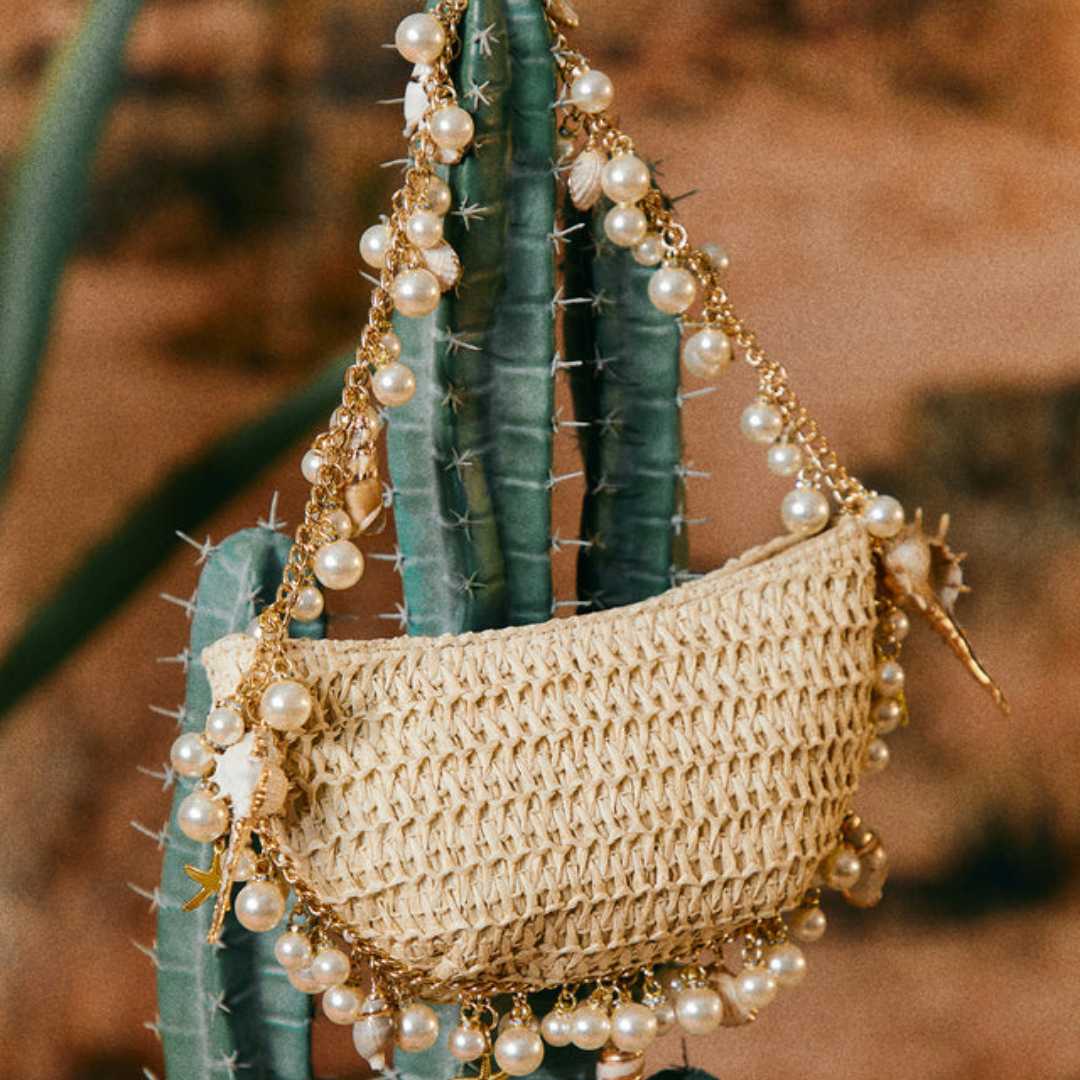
[555, 1027]
[842, 868]
[304, 981]
[590, 1027]
[625, 178]
[633, 1027]
[707, 353]
[310, 464]
[467, 1043]
[438, 195]
[293, 950]
[519, 1050]
[592, 91]
[309, 603]
[374, 244]
[224, 726]
[190, 756]
[420, 38]
[787, 964]
[202, 816]
[884, 517]
[451, 127]
[808, 923]
[698, 1010]
[761, 422]
[755, 987]
[717, 256]
[805, 511]
[784, 458]
[664, 1012]
[260, 906]
[331, 966]
[285, 705]
[649, 250]
[625, 225]
[341, 1004]
[889, 680]
[896, 625]
[672, 289]
[876, 757]
[339, 564]
[390, 344]
[886, 715]
[416, 293]
[393, 385]
[424, 228]
[341, 525]
[247, 865]
[417, 1028]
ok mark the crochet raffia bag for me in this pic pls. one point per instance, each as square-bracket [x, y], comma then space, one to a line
[578, 804]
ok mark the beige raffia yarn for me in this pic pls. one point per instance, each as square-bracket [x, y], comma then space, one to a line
[548, 804]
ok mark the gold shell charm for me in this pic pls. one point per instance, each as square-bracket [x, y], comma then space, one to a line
[444, 263]
[585, 178]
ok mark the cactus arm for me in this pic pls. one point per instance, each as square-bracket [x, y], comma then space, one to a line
[229, 1008]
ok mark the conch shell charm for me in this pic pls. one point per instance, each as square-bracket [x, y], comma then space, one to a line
[923, 571]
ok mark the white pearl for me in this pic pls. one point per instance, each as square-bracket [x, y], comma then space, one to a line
[886, 715]
[438, 195]
[842, 868]
[884, 517]
[467, 1043]
[808, 923]
[698, 1010]
[203, 816]
[451, 127]
[664, 1012]
[310, 464]
[519, 1050]
[224, 726]
[787, 964]
[393, 385]
[390, 344]
[286, 705]
[707, 353]
[625, 225]
[889, 680]
[876, 757]
[590, 1027]
[649, 250]
[424, 228]
[805, 511]
[247, 865]
[293, 950]
[761, 422]
[625, 178]
[633, 1027]
[592, 91]
[341, 1004]
[309, 603]
[331, 966]
[304, 981]
[339, 564]
[755, 987]
[717, 256]
[672, 289]
[420, 38]
[260, 906]
[784, 458]
[374, 244]
[896, 625]
[417, 1028]
[416, 293]
[341, 524]
[555, 1027]
[190, 756]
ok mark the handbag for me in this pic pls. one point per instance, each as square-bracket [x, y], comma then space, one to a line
[635, 808]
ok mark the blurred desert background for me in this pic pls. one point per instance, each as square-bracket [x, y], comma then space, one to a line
[898, 185]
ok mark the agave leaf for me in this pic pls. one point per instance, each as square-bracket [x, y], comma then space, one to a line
[114, 569]
[45, 202]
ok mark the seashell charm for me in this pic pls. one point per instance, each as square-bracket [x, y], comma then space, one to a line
[442, 260]
[584, 183]
[616, 1064]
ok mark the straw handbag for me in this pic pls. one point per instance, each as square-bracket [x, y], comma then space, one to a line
[636, 808]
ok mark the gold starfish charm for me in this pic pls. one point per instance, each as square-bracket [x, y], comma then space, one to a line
[485, 1072]
[209, 881]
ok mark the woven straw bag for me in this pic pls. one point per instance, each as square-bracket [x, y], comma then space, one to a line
[547, 804]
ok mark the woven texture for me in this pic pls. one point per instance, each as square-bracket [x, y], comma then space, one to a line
[547, 804]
